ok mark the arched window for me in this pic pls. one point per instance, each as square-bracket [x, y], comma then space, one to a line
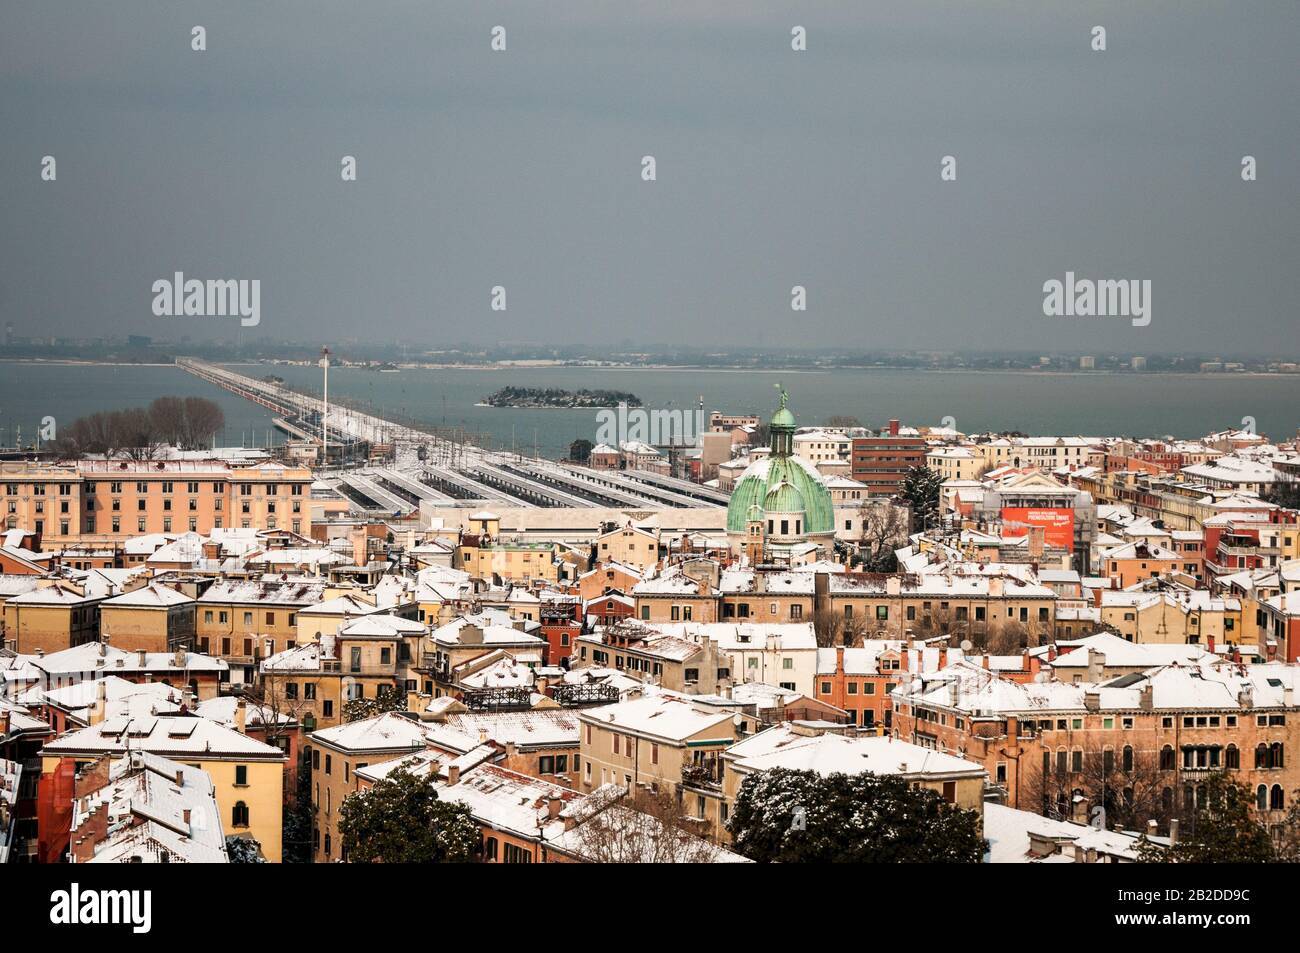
[1275, 754]
[239, 815]
[1167, 800]
[1276, 799]
[1200, 796]
[1261, 797]
[1128, 759]
[1167, 758]
[1232, 759]
[1261, 755]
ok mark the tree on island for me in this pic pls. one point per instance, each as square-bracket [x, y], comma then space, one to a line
[580, 450]
[785, 816]
[400, 820]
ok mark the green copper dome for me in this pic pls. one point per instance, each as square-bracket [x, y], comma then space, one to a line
[781, 483]
[783, 498]
[783, 418]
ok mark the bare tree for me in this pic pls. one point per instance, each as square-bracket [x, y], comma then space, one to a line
[204, 419]
[1125, 783]
[831, 628]
[167, 414]
[136, 434]
[883, 528]
[647, 827]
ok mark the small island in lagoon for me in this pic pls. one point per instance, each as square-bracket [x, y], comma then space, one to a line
[556, 397]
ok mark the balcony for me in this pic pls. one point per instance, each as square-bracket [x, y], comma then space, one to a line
[704, 776]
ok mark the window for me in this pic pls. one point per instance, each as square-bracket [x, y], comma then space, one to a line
[239, 818]
[516, 855]
[241, 775]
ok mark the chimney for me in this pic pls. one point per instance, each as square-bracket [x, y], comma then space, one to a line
[241, 716]
[141, 658]
[1092, 698]
[185, 815]
[453, 774]
[1079, 810]
[1152, 827]
[893, 428]
[359, 552]
[1037, 534]
[1246, 695]
[1146, 697]
[554, 805]
[839, 660]
[178, 659]
[1096, 597]
[512, 751]
[1096, 665]
[98, 709]
[1173, 831]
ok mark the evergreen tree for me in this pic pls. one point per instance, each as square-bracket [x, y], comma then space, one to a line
[580, 451]
[1222, 831]
[785, 816]
[920, 490]
[400, 820]
[244, 850]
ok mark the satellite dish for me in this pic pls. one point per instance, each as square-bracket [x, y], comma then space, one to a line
[966, 645]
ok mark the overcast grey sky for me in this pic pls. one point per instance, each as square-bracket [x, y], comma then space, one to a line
[775, 168]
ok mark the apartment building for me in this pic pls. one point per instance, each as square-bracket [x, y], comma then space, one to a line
[336, 754]
[1173, 727]
[881, 463]
[109, 501]
[660, 742]
[152, 618]
[247, 775]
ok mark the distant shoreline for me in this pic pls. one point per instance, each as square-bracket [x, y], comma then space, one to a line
[693, 368]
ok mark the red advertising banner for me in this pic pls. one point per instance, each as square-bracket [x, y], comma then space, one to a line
[1058, 523]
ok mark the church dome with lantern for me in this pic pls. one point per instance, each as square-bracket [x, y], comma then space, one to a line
[780, 502]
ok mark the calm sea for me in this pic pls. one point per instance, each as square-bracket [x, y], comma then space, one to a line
[1087, 404]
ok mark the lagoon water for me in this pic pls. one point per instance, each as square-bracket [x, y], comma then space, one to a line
[1088, 404]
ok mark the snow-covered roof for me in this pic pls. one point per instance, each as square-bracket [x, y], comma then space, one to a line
[784, 746]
